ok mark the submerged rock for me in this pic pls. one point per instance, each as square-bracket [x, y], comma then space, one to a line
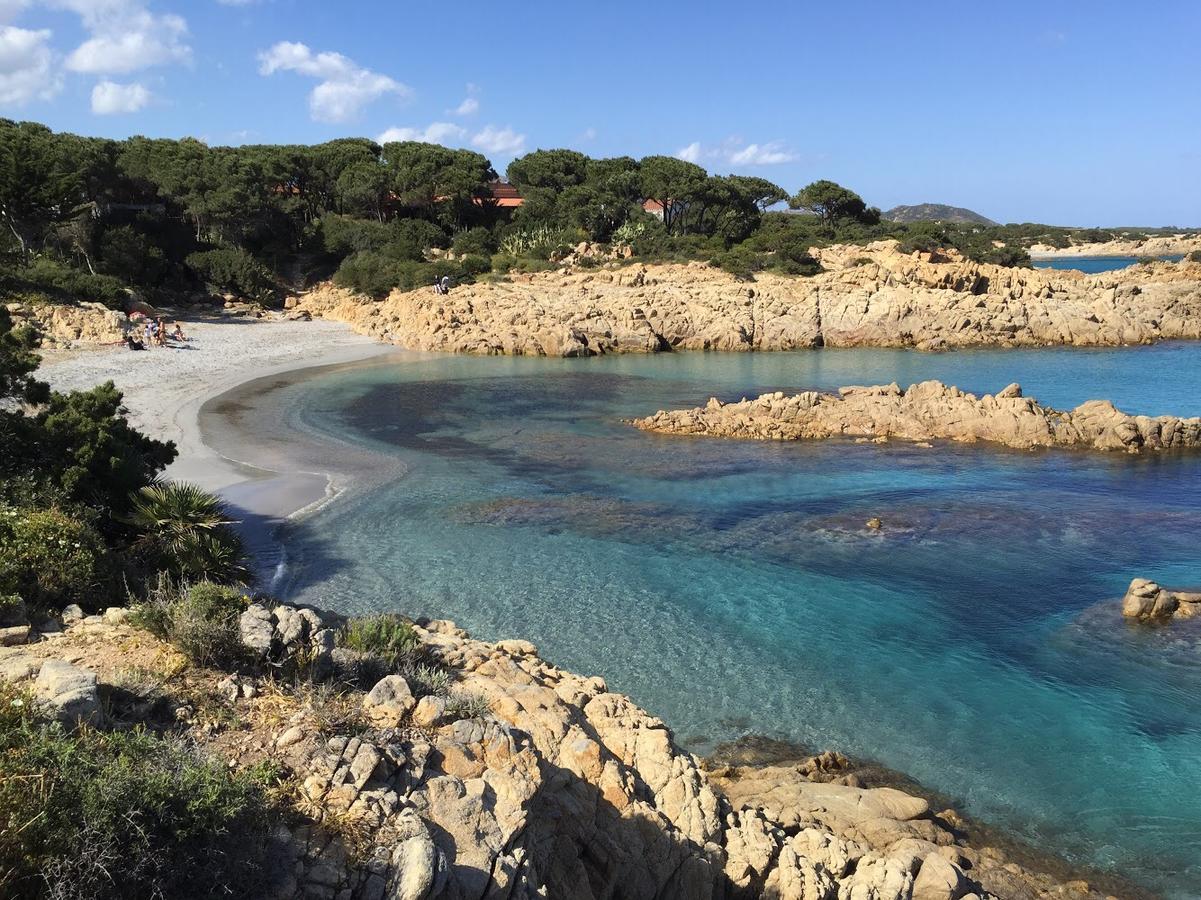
[928, 410]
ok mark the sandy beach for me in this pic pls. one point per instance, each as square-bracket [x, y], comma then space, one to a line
[165, 388]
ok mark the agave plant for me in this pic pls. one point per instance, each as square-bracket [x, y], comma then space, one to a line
[189, 531]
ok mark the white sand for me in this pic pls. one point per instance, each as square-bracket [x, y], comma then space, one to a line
[164, 388]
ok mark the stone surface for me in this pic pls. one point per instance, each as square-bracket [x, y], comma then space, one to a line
[389, 702]
[930, 410]
[68, 692]
[1146, 601]
[926, 301]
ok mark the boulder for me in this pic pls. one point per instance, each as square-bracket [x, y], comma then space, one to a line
[939, 879]
[387, 704]
[68, 692]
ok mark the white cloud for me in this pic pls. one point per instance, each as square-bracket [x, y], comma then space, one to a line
[434, 133]
[27, 70]
[770, 154]
[588, 134]
[691, 153]
[110, 98]
[343, 88]
[500, 141]
[470, 105]
[736, 153]
[125, 36]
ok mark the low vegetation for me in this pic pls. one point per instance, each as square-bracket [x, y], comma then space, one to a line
[387, 636]
[91, 815]
[200, 619]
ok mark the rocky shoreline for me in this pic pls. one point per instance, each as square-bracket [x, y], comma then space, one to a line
[929, 411]
[544, 784]
[1158, 245]
[867, 296]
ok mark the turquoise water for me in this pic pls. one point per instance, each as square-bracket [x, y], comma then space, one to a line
[731, 587]
[1091, 265]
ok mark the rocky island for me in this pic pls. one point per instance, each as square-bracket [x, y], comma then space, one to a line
[927, 411]
[867, 296]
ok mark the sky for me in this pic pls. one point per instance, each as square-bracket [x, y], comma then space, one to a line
[1055, 111]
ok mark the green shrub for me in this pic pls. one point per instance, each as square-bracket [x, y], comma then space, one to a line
[233, 270]
[474, 242]
[390, 637]
[200, 619]
[187, 532]
[1195, 256]
[503, 262]
[47, 275]
[50, 559]
[124, 814]
[466, 705]
[472, 266]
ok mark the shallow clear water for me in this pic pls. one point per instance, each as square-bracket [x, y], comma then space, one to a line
[1091, 265]
[732, 587]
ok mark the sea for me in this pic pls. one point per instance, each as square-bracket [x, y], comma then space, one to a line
[974, 642]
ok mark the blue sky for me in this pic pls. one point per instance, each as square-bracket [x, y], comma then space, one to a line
[1063, 112]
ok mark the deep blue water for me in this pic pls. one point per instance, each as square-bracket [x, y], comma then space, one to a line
[1091, 265]
[732, 587]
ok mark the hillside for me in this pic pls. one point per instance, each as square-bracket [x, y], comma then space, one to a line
[935, 212]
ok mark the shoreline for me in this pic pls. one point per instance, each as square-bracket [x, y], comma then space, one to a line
[166, 390]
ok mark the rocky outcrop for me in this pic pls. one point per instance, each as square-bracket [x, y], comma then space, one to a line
[549, 785]
[63, 326]
[871, 296]
[927, 411]
[1159, 245]
[1146, 601]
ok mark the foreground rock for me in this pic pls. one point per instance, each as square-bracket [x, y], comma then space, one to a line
[871, 296]
[560, 789]
[927, 411]
[1146, 601]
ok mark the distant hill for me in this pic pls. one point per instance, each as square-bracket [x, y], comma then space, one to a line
[935, 212]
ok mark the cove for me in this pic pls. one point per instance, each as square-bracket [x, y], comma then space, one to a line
[731, 587]
[1091, 265]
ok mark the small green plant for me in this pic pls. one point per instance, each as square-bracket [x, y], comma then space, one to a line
[103, 815]
[862, 261]
[187, 531]
[200, 619]
[49, 558]
[1195, 256]
[426, 680]
[467, 705]
[388, 636]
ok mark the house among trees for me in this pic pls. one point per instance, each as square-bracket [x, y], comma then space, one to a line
[504, 195]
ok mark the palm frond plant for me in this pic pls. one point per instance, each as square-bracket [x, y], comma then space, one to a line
[188, 532]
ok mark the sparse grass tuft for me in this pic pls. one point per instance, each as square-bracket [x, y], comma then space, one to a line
[388, 636]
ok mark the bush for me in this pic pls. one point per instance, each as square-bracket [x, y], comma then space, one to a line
[503, 262]
[50, 559]
[1195, 256]
[474, 242]
[187, 532]
[126, 814]
[47, 275]
[201, 619]
[233, 270]
[390, 637]
[376, 274]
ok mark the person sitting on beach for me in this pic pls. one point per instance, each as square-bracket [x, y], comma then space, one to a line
[178, 334]
[438, 287]
[444, 284]
[133, 343]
